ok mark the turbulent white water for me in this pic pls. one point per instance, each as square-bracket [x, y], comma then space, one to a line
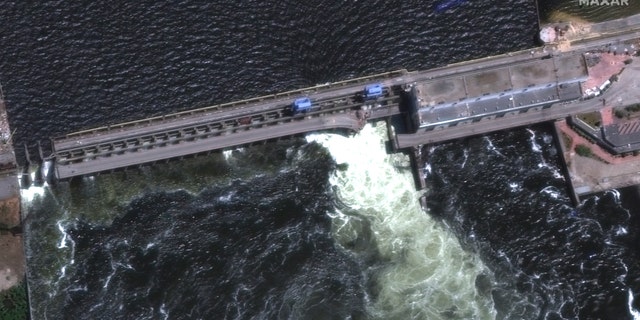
[372, 241]
[427, 275]
[29, 194]
[634, 313]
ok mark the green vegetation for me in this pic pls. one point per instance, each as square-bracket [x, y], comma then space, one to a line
[583, 150]
[633, 108]
[593, 119]
[13, 303]
[628, 61]
[627, 112]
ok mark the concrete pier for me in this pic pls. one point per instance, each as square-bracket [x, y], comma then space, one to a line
[335, 106]
[139, 154]
[564, 151]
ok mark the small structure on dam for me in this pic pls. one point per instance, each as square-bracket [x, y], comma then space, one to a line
[496, 92]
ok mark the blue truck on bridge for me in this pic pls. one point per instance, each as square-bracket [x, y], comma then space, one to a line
[372, 91]
[301, 105]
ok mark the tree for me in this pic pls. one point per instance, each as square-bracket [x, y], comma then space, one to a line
[13, 303]
[583, 150]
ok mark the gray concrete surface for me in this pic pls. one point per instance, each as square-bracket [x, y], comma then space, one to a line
[625, 91]
[128, 159]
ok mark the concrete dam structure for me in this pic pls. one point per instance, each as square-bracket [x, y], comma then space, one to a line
[332, 106]
[427, 104]
[421, 107]
[495, 92]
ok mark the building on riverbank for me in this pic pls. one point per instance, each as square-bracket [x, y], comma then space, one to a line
[600, 149]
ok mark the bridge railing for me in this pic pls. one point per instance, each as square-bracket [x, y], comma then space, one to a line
[77, 152]
[218, 107]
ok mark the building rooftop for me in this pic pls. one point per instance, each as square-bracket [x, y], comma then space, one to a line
[494, 90]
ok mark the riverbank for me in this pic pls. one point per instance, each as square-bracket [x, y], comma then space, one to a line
[13, 291]
[13, 295]
[574, 11]
[596, 170]
[12, 259]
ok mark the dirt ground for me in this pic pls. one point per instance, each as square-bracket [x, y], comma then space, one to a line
[559, 16]
[578, 27]
[607, 173]
[609, 65]
[12, 260]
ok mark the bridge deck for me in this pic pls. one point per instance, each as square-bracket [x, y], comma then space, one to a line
[176, 135]
[338, 88]
[141, 155]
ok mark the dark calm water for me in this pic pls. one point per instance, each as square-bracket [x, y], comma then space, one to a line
[256, 234]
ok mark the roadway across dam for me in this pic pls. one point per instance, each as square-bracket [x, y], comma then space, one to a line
[451, 102]
[335, 106]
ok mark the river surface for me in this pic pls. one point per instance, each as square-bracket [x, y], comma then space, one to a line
[321, 227]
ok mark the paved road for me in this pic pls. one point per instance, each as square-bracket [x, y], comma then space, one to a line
[143, 128]
[117, 133]
[471, 66]
[340, 121]
[583, 45]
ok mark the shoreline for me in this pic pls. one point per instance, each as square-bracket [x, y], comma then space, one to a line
[12, 256]
[561, 16]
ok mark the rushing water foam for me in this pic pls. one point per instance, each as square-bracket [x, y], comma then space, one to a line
[424, 273]
[500, 240]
